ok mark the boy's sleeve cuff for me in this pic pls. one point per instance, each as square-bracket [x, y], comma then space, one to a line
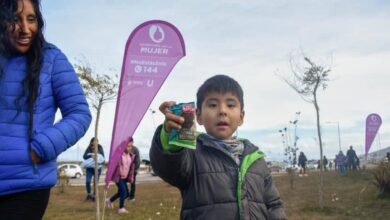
[164, 138]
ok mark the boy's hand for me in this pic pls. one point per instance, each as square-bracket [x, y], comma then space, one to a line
[171, 120]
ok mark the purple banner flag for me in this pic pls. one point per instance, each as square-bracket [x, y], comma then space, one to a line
[373, 122]
[151, 52]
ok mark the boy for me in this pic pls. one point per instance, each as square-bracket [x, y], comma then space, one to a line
[222, 168]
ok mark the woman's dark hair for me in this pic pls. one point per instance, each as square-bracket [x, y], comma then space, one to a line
[220, 84]
[90, 142]
[34, 55]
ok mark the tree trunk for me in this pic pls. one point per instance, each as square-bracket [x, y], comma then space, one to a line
[98, 109]
[321, 196]
[96, 179]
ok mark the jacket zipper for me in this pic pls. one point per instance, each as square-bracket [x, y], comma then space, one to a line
[249, 159]
[239, 183]
[239, 176]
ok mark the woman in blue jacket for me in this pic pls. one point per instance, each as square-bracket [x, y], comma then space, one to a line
[89, 164]
[36, 79]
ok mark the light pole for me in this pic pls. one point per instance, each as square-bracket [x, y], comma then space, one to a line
[338, 130]
[152, 112]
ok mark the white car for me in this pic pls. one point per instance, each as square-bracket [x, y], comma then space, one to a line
[70, 170]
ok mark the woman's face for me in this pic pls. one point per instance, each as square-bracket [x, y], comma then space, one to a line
[129, 147]
[95, 142]
[25, 29]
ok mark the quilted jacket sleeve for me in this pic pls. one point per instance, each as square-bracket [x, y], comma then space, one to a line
[172, 167]
[272, 199]
[68, 95]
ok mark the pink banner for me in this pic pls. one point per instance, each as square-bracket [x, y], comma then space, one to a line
[373, 122]
[151, 52]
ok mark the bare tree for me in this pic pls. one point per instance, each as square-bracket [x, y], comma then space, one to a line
[306, 81]
[99, 89]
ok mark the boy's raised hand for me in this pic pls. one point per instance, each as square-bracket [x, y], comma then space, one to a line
[171, 120]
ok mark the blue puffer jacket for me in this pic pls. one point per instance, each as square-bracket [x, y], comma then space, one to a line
[59, 87]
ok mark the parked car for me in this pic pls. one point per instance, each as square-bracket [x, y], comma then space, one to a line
[70, 170]
[150, 169]
[312, 165]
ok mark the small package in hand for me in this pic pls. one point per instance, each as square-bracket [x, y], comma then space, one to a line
[186, 136]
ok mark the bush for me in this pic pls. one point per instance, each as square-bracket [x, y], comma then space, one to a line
[382, 179]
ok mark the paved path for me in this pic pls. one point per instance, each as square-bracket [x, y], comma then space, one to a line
[142, 177]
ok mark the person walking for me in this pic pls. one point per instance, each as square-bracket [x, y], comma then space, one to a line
[137, 162]
[89, 165]
[302, 163]
[351, 157]
[123, 174]
[341, 160]
[325, 161]
[36, 80]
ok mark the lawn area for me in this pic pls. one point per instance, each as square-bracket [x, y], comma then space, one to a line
[356, 199]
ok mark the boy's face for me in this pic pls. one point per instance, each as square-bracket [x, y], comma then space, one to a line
[220, 114]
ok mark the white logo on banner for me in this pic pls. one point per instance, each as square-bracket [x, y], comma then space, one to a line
[156, 34]
[137, 68]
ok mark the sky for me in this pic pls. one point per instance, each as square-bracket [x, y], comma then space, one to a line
[252, 41]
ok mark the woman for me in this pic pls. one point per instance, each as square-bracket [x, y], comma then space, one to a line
[35, 80]
[340, 160]
[89, 164]
[302, 163]
[124, 173]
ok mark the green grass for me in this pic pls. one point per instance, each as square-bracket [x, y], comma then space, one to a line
[357, 198]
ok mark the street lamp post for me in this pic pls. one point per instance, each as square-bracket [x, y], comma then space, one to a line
[338, 131]
[152, 112]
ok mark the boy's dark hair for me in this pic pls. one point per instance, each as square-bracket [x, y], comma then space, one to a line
[219, 84]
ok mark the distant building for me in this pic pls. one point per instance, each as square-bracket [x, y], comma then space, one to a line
[375, 156]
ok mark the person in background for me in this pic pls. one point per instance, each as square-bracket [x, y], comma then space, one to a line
[123, 174]
[336, 166]
[36, 80]
[89, 164]
[357, 161]
[302, 163]
[137, 161]
[341, 160]
[325, 161]
[351, 157]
